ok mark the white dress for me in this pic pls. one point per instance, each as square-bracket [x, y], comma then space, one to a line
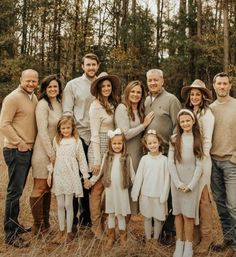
[152, 183]
[70, 158]
[117, 198]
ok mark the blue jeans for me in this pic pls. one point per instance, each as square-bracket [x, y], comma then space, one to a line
[223, 185]
[18, 164]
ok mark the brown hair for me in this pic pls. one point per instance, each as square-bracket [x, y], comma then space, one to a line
[221, 74]
[44, 84]
[113, 99]
[127, 103]
[197, 138]
[159, 138]
[64, 119]
[91, 56]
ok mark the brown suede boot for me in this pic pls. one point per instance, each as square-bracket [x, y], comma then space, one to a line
[46, 209]
[123, 237]
[205, 227]
[60, 238]
[36, 204]
[69, 237]
[111, 238]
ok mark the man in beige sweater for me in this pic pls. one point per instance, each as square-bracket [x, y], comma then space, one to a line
[18, 125]
[223, 153]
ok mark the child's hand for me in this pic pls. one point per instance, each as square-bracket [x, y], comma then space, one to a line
[182, 187]
[95, 170]
[186, 190]
[49, 180]
[87, 184]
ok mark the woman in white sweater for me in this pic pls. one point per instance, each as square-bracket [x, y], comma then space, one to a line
[197, 98]
[106, 89]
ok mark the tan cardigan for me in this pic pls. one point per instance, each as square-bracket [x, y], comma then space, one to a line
[17, 119]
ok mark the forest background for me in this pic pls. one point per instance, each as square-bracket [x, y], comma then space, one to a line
[187, 39]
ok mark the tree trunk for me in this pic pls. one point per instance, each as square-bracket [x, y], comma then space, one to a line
[226, 35]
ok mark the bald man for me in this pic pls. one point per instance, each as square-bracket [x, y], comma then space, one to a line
[18, 126]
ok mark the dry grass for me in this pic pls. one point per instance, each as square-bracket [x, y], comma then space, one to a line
[85, 245]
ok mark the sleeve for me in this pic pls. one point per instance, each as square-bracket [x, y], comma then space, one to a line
[137, 181]
[197, 175]
[132, 173]
[175, 107]
[122, 121]
[208, 121]
[83, 165]
[172, 167]
[95, 124]
[166, 187]
[94, 178]
[68, 100]
[8, 112]
[42, 115]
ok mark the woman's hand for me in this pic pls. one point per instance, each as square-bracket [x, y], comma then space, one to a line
[95, 170]
[87, 184]
[148, 119]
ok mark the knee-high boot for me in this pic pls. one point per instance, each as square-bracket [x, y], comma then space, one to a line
[36, 204]
[46, 209]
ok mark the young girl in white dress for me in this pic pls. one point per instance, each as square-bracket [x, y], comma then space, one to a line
[152, 185]
[70, 158]
[117, 175]
[185, 165]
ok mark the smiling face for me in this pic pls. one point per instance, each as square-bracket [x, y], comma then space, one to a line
[222, 87]
[66, 129]
[29, 81]
[152, 143]
[195, 97]
[117, 144]
[106, 88]
[186, 122]
[90, 67]
[135, 94]
[155, 83]
[52, 89]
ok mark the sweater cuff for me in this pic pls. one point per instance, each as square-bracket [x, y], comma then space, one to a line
[233, 159]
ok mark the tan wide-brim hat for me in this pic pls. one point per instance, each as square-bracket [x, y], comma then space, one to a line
[115, 81]
[198, 84]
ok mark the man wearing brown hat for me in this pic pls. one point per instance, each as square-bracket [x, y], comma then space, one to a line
[223, 153]
[166, 107]
[76, 101]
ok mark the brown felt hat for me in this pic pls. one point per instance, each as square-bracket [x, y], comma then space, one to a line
[115, 81]
[198, 84]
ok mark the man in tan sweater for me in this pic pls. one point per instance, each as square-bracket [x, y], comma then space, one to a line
[18, 125]
[223, 153]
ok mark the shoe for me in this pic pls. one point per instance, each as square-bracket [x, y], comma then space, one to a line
[167, 239]
[111, 238]
[18, 242]
[234, 254]
[22, 230]
[221, 247]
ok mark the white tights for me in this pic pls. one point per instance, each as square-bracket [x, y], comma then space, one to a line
[65, 202]
[148, 228]
[121, 221]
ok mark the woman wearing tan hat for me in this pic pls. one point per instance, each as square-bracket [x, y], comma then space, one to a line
[197, 98]
[106, 89]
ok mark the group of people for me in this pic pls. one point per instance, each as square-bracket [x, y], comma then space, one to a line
[107, 156]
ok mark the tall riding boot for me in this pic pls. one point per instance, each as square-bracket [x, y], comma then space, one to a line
[111, 238]
[205, 227]
[46, 209]
[36, 204]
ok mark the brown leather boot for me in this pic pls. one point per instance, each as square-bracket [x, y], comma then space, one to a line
[69, 237]
[111, 238]
[60, 238]
[46, 209]
[205, 227]
[123, 237]
[36, 204]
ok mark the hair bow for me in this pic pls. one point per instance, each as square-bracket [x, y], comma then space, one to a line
[152, 131]
[111, 133]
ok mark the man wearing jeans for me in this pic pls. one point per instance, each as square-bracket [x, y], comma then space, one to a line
[18, 125]
[223, 152]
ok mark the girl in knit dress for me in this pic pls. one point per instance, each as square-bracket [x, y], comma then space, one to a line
[117, 175]
[152, 185]
[70, 158]
[185, 166]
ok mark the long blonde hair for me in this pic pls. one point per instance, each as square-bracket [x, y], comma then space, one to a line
[63, 120]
